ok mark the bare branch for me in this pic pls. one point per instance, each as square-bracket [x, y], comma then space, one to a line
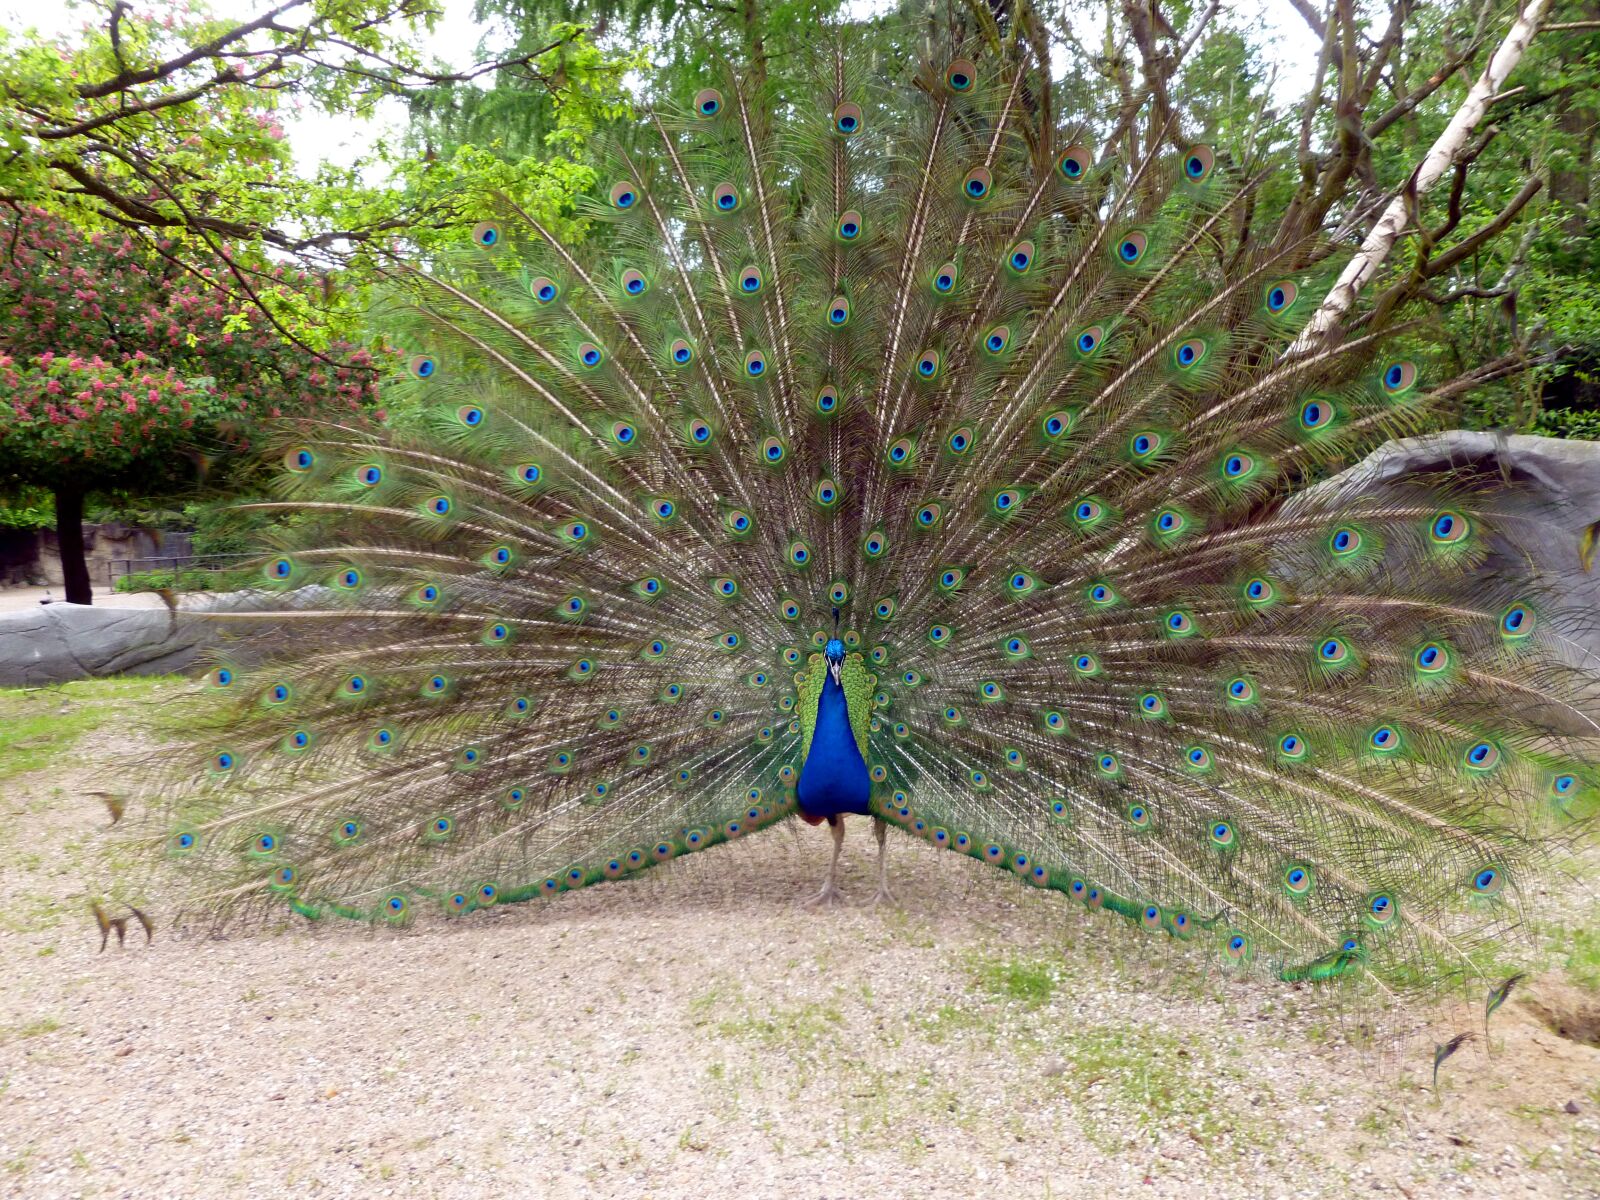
[1303, 7]
[212, 49]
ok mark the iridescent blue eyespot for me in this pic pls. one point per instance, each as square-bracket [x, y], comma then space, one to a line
[1316, 414]
[1398, 377]
[1281, 295]
[1073, 162]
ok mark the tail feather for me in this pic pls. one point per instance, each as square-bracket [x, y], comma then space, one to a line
[1035, 427]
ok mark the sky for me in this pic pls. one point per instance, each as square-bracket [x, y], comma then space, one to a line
[317, 137]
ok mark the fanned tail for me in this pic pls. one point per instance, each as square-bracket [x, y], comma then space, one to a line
[1035, 425]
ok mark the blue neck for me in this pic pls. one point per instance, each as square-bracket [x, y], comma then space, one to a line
[834, 778]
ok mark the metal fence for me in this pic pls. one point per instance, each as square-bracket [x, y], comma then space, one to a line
[119, 568]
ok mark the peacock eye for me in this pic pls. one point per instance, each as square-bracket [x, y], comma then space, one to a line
[1074, 162]
[1131, 249]
[1399, 377]
[708, 102]
[1198, 163]
[1281, 296]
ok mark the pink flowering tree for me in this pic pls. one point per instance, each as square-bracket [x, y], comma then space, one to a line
[121, 367]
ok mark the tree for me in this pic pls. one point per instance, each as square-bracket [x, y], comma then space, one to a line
[122, 369]
[169, 129]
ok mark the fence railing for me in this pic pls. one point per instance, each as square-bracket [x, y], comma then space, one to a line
[119, 568]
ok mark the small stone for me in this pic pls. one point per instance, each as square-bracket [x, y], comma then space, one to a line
[1571, 1106]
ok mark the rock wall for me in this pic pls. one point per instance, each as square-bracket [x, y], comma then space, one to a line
[1543, 493]
[32, 558]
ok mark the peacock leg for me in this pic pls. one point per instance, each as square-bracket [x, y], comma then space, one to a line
[830, 893]
[880, 830]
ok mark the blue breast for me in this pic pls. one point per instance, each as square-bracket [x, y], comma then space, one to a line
[834, 778]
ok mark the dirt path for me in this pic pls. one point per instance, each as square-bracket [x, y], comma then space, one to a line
[696, 1032]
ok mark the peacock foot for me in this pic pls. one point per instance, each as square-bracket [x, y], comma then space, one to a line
[829, 897]
[885, 896]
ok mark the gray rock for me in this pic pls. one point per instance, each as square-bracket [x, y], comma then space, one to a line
[58, 643]
[1542, 494]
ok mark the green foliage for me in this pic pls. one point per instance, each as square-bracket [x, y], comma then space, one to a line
[185, 579]
[28, 508]
[169, 129]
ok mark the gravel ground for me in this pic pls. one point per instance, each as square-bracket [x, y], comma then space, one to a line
[695, 1030]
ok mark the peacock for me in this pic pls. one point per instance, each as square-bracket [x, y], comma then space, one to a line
[881, 449]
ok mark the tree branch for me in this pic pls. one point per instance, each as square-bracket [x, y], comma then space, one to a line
[212, 49]
[1381, 239]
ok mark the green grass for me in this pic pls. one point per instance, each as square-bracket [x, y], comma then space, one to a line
[38, 726]
[1159, 1079]
[795, 1027]
[1028, 981]
[32, 1029]
[1579, 948]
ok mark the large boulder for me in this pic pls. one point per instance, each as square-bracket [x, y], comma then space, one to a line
[58, 643]
[1543, 494]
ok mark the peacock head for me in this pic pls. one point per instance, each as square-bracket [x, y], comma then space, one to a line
[834, 651]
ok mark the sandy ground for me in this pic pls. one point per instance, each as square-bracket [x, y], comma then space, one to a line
[12, 599]
[695, 1031]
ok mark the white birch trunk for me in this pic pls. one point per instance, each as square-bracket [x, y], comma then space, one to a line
[1384, 234]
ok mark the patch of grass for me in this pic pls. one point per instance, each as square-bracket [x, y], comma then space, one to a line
[797, 1027]
[1580, 948]
[950, 1021]
[38, 726]
[1028, 981]
[1155, 1080]
[32, 1029]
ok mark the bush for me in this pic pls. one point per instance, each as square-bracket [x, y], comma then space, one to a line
[1581, 424]
[184, 579]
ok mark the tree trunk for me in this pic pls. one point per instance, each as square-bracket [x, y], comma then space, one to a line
[69, 540]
